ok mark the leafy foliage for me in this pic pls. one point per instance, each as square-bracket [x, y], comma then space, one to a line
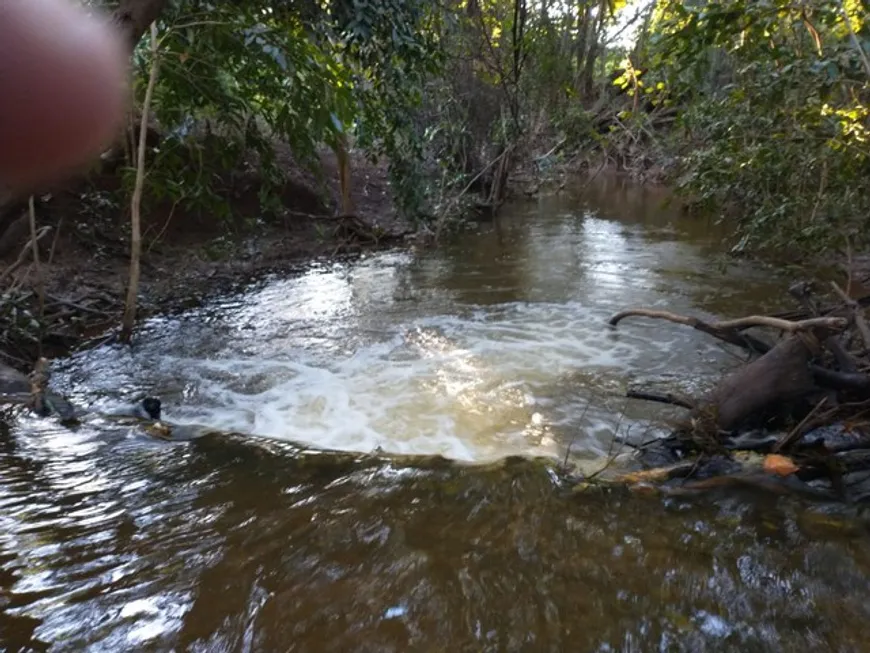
[771, 97]
[774, 114]
[395, 45]
[235, 78]
[514, 69]
[448, 88]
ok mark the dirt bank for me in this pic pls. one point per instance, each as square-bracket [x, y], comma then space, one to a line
[84, 251]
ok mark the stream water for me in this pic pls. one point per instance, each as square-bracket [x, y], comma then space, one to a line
[491, 353]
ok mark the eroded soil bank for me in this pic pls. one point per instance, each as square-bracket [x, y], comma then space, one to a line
[187, 257]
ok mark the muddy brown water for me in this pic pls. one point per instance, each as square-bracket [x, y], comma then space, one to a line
[487, 359]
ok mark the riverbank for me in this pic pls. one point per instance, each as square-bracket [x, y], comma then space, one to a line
[186, 256]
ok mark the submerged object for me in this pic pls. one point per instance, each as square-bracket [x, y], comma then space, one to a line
[148, 408]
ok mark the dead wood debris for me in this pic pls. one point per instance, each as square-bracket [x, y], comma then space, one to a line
[801, 405]
[31, 324]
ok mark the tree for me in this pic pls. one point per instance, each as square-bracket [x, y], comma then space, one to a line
[775, 113]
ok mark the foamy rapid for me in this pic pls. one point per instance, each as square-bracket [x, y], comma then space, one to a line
[428, 355]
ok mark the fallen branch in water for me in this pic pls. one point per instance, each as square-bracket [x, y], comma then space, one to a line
[833, 323]
[663, 398]
[801, 405]
[731, 337]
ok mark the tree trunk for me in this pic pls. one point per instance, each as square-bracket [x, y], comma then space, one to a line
[593, 46]
[134, 16]
[583, 21]
[129, 317]
[343, 157]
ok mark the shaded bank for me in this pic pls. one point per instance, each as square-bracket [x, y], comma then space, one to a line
[76, 290]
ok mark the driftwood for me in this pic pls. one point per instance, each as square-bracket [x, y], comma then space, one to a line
[732, 331]
[802, 404]
[735, 325]
[782, 375]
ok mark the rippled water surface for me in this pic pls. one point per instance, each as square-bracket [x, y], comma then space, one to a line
[490, 354]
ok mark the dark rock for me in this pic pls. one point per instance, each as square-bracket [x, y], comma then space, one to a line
[662, 452]
[149, 408]
[857, 486]
[716, 466]
[54, 404]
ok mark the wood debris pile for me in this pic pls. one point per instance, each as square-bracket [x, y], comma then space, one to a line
[795, 418]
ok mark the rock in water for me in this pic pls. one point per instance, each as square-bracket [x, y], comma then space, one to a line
[53, 403]
[149, 408]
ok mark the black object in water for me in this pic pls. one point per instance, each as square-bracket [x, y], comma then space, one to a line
[148, 408]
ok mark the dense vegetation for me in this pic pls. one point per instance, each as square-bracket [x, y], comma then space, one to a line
[756, 110]
[773, 113]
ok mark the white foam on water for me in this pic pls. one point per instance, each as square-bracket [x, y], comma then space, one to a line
[465, 388]
[421, 395]
[394, 353]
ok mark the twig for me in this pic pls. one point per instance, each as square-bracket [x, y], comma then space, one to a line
[54, 241]
[78, 307]
[312, 216]
[555, 147]
[13, 359]
[162, 231]
[663, 398]
[857, 315]
[626, 129]
[574, 437]
[863, 302]
[797, 431]
[643, 444]
[34, 241]
[480, 174]
[22, 256]
[611, 457]
[592, 178]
